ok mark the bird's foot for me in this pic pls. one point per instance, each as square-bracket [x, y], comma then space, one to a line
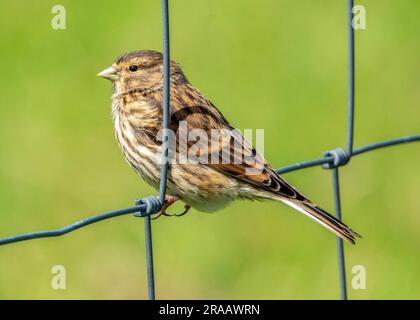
[170, 200]
[187, 208]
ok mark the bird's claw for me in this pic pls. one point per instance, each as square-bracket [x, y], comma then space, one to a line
[162, 212]
[187, 207]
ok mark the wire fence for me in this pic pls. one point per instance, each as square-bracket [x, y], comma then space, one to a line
[148, 206]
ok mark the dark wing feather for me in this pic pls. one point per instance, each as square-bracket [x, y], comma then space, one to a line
[199, 113]
[245, 164]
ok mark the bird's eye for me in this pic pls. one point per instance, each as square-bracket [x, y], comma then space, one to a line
[133, 68]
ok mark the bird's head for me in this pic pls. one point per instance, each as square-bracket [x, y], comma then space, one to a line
[138, 70]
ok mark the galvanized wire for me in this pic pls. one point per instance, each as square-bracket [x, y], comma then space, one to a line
[164, 149]
[349, 150]
[166, 101]
[351, 78]
[149, 258]
[340, 244]
[357, 151]
[148, 206]
[141, 209]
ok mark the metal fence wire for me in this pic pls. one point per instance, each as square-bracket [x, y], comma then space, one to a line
[148, 206]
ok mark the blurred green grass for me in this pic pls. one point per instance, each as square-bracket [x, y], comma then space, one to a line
[276, 65]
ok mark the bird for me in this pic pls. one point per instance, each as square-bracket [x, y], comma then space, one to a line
[208, 186]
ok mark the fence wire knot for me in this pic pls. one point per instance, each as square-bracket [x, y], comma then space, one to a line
[152, 204]
[338, 157]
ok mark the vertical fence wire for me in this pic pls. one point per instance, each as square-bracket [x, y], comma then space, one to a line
[340, 245]
[164, 149]
[149, 258]
[166, 101]
[349, 149]
[351, 78]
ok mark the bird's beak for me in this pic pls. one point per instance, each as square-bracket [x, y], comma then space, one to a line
[109, 73]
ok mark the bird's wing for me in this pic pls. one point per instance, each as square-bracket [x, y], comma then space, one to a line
[237, 157]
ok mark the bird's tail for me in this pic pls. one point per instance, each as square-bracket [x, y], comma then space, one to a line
[323, 218]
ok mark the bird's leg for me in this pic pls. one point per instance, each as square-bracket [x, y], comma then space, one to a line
[170, 200]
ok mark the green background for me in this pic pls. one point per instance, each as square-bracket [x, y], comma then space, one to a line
[274, 65]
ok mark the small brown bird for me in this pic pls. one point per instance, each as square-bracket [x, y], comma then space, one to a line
[205, 185]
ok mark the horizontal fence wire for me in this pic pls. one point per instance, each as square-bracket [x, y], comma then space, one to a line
[151, 205]
[71, 227]
[357, 151]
